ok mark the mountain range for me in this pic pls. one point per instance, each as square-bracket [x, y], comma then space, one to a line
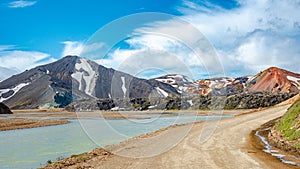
[72, 78]
[273, 80]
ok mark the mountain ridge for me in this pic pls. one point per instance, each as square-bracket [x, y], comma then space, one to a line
[73, 78]
[271, 80]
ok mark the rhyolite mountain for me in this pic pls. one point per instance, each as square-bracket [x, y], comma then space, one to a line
[274, 80]
[73, 78]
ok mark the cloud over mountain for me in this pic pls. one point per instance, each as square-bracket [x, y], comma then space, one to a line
[21, 4]
[249, 37]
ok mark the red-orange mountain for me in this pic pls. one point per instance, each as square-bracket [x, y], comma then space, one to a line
[275, 80]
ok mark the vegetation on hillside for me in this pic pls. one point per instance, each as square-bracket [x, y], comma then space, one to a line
[289, 125]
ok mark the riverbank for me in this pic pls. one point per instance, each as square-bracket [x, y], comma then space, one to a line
[229, 145]
[271, 134]
[256, 146]
[21, 123]
[124, 114]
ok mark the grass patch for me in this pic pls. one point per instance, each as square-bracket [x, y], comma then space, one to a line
[289, 124]
[83, 159]
[74, 155]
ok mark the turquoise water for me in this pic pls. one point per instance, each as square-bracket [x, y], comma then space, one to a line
[32, 148]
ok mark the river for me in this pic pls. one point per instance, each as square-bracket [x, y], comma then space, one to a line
[32, 148]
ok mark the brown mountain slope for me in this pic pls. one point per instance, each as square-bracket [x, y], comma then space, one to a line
[275, 80]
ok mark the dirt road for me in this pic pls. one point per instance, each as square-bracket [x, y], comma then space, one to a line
[225, 148]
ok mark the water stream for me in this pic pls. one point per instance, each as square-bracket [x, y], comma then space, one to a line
[271, 150]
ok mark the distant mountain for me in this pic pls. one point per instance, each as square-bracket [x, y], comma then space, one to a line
[180, 82]
[216, 86]
[275, 80]
[71, 78]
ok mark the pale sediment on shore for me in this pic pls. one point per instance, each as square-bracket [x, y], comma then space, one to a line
[38, 110]
[21, 123]
[125, 114]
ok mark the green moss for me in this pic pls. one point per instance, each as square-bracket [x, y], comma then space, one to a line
[74, 155]
[288, 123]
[297, 144]
[83, 159]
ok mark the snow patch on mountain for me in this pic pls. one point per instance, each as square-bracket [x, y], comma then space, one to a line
[161, 92]
[295, 80]
[190, 102]
[180, 82]
[123, 86]
[85, 75]
[14, 91]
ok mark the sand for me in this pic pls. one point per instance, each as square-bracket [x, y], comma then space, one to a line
[21, 123]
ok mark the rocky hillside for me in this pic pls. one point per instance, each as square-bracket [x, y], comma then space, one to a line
[286, 132]
[72, 78]
[238, 101]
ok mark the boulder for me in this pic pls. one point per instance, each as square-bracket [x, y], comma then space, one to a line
[4, 109]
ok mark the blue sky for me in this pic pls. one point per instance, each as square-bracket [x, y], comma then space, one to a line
[46, 23]
[247, 35]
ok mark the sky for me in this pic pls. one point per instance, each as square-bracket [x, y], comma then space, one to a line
[198, 38]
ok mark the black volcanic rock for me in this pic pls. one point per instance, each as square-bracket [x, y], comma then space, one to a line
[4, 109]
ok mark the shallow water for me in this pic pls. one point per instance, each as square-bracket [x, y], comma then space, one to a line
[32, 148]
[270, 150]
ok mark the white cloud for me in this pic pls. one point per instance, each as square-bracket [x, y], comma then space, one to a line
[79, 48]
[15, 61]
[262, 50]
[136, 61]
[21, 4]
[72, 48]
[6, 72]
[184, 52]
[117, 58]
[251, 37]
[6, 47]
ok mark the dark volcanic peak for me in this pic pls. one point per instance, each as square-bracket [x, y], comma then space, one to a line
[57, 84]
